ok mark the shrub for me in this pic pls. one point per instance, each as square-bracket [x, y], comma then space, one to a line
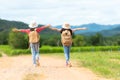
[0, 54]
[18, 40]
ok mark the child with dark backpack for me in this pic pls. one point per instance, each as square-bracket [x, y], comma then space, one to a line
[34, 39]
[66, 39]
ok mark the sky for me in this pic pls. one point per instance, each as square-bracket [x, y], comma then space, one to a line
[56, 12]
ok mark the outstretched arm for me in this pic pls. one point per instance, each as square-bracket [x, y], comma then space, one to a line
[55, 29]
[42, 28]
[84, 28]
[21, 30]
[15, 30]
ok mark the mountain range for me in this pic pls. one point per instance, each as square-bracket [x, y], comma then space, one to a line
[92, 28]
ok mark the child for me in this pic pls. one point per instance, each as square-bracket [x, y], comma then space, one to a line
[66, 39]
[33, 33]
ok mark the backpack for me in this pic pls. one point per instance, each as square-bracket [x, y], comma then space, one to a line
[66, 37]
[34, 36]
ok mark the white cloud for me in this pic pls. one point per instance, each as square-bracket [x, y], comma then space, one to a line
[56, 12]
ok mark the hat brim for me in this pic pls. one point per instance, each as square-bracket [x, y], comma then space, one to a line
[66, 27]
[31, 26]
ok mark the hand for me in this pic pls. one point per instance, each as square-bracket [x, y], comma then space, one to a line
[84, 28]
[47, 26]
[15, 30]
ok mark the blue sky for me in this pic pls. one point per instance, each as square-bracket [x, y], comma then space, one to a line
[56, 12]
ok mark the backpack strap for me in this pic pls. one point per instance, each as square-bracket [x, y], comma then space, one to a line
[63, 29]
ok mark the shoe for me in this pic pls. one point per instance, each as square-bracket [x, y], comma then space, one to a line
[34, 65]
[68, 64]
[37, 62]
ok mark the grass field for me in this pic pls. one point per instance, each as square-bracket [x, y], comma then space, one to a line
[104, 63]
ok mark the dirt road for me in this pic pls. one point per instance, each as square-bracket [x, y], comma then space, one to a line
[21, 68]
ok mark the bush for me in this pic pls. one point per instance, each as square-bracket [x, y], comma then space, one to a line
[48, 49]
[0, 54]
[18, 40]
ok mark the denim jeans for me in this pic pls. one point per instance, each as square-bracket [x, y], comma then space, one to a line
[35, 51]
[67, 53]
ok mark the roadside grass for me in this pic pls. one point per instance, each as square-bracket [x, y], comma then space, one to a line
[11, 52]
[34, 76]
[106, 64]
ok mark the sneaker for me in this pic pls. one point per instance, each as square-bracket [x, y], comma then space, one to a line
[34, 65]
[37, 62]
[68, 64]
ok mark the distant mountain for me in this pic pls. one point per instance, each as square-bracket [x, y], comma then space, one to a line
[111, 32]
[92, 28]
[114, 31]
[6, 26]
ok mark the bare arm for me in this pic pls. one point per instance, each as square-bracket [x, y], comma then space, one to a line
[55, 29]
[84, 28]
[15, 30]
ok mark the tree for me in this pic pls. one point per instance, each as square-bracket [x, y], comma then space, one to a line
[3, 37]
[97, 39]
[18, 40]
[78, 41]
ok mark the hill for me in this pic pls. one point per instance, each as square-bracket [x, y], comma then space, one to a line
[93, 28]
[6, 25]
[111, 32]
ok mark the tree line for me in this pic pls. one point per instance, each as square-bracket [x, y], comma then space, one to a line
[20, 40]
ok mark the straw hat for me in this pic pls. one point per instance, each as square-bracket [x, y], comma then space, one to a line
[66, 26]
[33, 24]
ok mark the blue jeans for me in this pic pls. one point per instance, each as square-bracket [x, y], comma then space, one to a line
[67, 53]
[35, 51]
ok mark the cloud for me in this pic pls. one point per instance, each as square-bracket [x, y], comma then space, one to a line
[56, 12]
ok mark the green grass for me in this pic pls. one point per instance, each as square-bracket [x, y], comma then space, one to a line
[49, 49]
[106, 64]
[10, 51]
[102, 63]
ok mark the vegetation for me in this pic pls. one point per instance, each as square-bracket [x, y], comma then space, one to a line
[97, 52]
[104, 63]
[48, 49]
[52, 38]
[0, 55]
[18, 40]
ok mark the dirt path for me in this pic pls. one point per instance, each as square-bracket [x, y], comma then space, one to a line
[21, 68]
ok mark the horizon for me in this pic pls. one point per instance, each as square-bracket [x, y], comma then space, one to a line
[61, 24]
